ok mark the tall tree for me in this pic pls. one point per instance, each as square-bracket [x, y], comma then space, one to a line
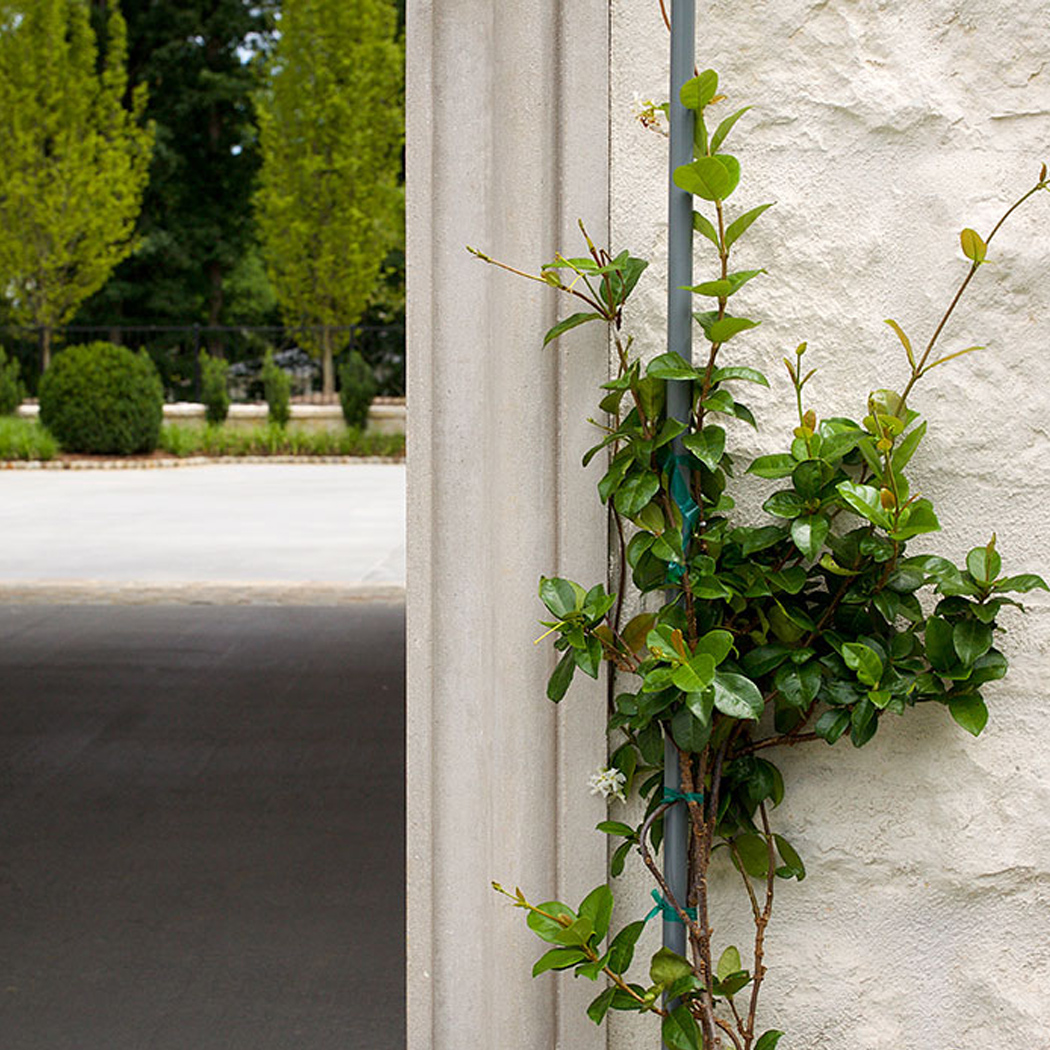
[331, 126]
[74, 160]
[202, 61]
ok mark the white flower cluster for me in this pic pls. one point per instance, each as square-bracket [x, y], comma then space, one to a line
[608, 782]
[651, 115]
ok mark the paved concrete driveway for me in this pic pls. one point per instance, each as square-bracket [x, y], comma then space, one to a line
[340, 526]
[201, 815]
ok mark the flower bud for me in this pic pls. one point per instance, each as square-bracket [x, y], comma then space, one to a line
[887, 500]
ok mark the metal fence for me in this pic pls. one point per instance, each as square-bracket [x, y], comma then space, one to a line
[175, 350]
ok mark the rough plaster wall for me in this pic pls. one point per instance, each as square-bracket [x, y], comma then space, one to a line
[881, 130]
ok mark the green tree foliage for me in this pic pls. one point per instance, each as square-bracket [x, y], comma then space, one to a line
[331, 125]
[75, 158]
[201, 60]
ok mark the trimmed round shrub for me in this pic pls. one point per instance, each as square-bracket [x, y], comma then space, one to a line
[11, 389]
[102, 398]
[214, 394]
[278, 389]
[357, 387]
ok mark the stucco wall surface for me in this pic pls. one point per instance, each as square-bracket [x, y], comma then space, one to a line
[881, 130]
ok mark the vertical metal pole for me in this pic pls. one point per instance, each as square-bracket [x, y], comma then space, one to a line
[679, 394]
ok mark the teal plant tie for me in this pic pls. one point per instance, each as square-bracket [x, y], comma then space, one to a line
[665, 908]
[671, 795]
[674, 464]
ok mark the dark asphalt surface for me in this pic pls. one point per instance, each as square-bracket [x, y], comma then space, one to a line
[201, 814]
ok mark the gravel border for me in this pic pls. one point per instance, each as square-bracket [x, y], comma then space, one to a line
[186, 461]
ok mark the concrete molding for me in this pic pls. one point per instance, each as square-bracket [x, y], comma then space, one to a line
[496, 92]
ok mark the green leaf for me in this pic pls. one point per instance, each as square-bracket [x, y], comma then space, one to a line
[614, 475]
[971, 640]
[984, 564]
[725, 287]
[615, 827]
[989, 668]
[679, 1030]
[671, 366]
[776, 466]
[707, 445]
[722, 329]
[737, 696]
[754, 854]
[809, 533]
[600, 1006]
[668, 966]
[916, 519]
[740, 225]
[558, 959]
[706, 177]
[559, 682]
[768, 1040]
[717, 644]
[689, 733]
[547, 929]
[579, 933]
[832, 724]
[621, 951]
[785, 504]
[940, 643]
[570, 322]
[798, 684]
[906, 449]
[695, 675]
[973, 246]
[597, 906]
[699, 90]
[729, 962]
[704, 225]
[864, 721]
[752, 375]
[905, 341]
[1021, 584]
[970, 712]
[864, 661]
[790, 857]
[725, 127]
[634, 493]
[865, 500]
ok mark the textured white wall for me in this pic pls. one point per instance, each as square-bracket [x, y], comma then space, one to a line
[881, 129]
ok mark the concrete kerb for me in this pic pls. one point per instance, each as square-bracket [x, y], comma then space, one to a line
[255, 593]
[188, 461]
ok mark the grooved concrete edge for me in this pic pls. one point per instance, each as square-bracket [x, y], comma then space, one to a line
[188, 461]
[103, 592]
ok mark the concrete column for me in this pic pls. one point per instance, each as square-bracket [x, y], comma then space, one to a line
[507, 147]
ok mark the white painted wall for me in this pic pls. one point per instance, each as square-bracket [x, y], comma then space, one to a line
[881, 130]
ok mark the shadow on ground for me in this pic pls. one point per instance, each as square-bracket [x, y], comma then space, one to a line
[201, 813]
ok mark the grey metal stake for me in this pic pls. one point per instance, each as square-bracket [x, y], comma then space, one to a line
[679, 394]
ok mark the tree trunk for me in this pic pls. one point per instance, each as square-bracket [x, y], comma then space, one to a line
[215, 304]
[327, 369]
[45, 348]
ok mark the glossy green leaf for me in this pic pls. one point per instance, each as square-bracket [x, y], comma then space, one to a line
[809, 532]
[705, 177]
[579, 933]
[865, 500]
[729, 962]
[558, 959]
[559, 682]
[754, 854]
[696, 675]
[1021, 584]
[597, 906]
[864, 720]
[570, 322]
[832, 724]
[737, 696]
[776, 466]
[621, 951]
[548, 929]
[906, 449]
[722, 288]
[940, 644]
[725, 127]
[973, 245]
[679, 1030]
[672, 366]
[785, 504]
[689, 732]
[989, 668]
[790, 857]
[560, 596]
[717, 644]
[738, 226]
[704, 226]
[920, 519]
[698, 91]
[971, 640]
[864, 661]
[768, 1040]
[635, 492]
[970, 712]
[984, 565]
[798, 684]
[668, 966]
[600, 1006]
[707, 445]
[751, 375]
[722, 329]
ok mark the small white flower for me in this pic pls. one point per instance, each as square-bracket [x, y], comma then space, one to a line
[608, 782]
[649, 114]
